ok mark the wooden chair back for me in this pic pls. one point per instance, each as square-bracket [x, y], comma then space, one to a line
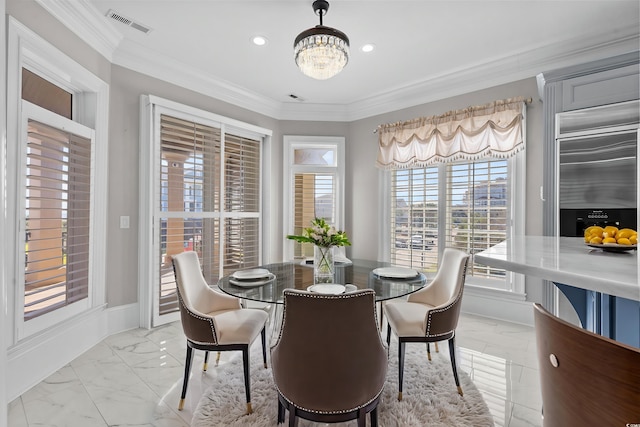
[586, 379]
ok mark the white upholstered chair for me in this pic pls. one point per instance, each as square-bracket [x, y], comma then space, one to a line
[430, 314]
[213, 321]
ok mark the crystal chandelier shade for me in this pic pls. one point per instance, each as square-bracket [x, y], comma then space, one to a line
[321, 52]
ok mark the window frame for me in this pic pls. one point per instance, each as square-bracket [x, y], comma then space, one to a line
[25, 49]
[290, 144]
[514, 283]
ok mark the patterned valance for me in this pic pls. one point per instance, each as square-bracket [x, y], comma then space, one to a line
[495, 130]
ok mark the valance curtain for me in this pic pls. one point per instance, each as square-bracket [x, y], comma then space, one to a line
[494, 130]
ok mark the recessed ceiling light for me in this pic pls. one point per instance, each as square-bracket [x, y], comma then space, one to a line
[259, 40]
[368, 48]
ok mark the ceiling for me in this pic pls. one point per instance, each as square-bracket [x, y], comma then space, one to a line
[424, 50]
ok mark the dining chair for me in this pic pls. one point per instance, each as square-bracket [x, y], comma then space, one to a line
[431, 313]
[213, 321]
[586, 379]
[329, 363]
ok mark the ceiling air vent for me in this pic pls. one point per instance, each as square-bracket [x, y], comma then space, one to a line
[126, 21]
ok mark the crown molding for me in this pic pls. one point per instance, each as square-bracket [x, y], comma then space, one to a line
[525, 64]
[156, 64]
[85, 20]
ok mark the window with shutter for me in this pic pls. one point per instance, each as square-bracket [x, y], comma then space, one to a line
[313, 176]
[57, 209]
[56, 187]
[208, 201]
[463, 205]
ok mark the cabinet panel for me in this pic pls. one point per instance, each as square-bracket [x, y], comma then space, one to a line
[617, 85]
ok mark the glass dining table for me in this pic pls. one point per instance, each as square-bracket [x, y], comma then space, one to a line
[299, 275]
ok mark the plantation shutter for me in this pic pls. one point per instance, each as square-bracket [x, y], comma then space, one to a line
[58, 206]
[242, 203]
[474, 202]
[414, 218]
[477, 207]
[189, 194]
[209, 201]
[314, 196]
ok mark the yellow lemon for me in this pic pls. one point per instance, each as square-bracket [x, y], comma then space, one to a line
[596, 240]
[633, 239]
[596, 231]
[593, 228]
[624, 241]
[609, 240]
[610, 230]
[624, 233]
[587, 238]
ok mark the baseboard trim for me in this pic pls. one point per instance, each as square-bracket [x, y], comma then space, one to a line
[33, 360]
[510, 308]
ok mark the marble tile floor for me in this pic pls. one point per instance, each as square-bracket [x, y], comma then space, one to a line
[134, 378]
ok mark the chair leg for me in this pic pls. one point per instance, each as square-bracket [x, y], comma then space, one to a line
[293, 419]
[247, 384]
[401, 345]
[187, 372]
[428, 352]
[374, 416]
[218, 358]
[388, 334]
[452, 353]
[362, 418]
[206, 361]
[436, 344]
[264, 345]
[280, 411]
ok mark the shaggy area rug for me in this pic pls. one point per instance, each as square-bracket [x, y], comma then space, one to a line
[429, 397]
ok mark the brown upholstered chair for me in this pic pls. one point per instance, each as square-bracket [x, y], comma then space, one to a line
[586, 379]
[329, 363]
[213, 321]
[430, 314]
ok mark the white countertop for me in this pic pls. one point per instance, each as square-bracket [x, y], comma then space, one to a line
[569, 261]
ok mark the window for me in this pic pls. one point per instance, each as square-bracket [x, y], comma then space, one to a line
[57, 194]
[207, 180]
[456, 180]
[466, 205]
[313, 186]
[57, 128]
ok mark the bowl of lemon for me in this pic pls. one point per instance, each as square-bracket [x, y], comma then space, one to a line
[611, 238]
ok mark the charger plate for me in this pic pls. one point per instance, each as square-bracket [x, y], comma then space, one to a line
[252, 283]
[395, 272]
[327, 288]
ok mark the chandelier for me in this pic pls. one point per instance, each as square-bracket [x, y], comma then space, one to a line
[321, 52]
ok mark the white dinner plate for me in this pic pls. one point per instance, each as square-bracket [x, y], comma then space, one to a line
[254, 273]
[395, 272]
[252, 283]
[327, 288]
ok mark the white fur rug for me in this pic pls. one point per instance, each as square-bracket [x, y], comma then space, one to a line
[429, 397]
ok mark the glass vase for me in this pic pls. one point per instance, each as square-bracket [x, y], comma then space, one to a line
[323, 265]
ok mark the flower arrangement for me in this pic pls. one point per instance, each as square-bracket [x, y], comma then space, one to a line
[322, 234]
